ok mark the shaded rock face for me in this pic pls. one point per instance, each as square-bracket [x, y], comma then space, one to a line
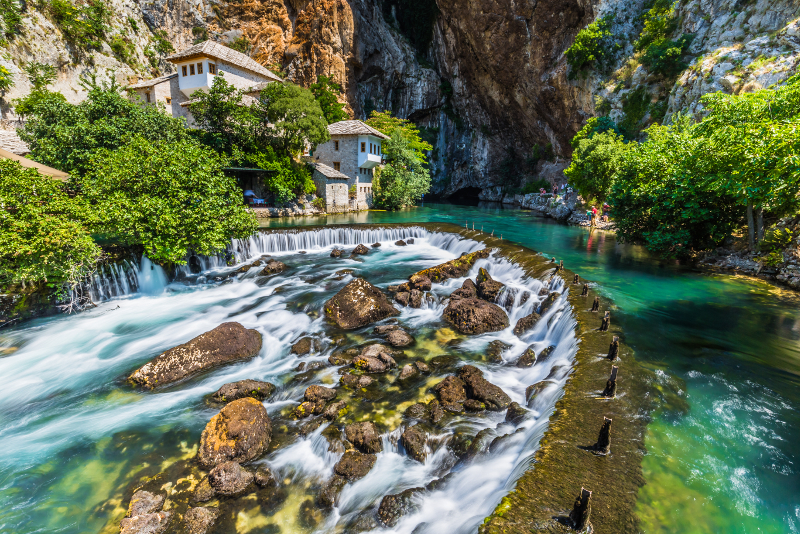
[364, 436]
[393, 507]
[144, 502]
[199, 520]
[226, 343]
[255, 389]
[479, 388]
[229, 478]
[354, 465]
[146, 524]
[466, 291]
[330, 491]
[475, 316]
[488, 288]
[358, 304]
[240, 432]
[454, 268]
[414, 440]
[526, 323]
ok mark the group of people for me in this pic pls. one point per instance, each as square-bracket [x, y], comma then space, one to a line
[592, 214]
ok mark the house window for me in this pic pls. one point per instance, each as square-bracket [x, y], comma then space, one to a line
[212, 69]
[363, 147]
[336, 165]
[147, 97]
[336, 145]
[191, 70]
[169, 100]
[199, 68]
[184, 70]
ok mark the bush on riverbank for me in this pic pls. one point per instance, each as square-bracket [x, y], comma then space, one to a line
[402, 181]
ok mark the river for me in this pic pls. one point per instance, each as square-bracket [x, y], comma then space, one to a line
[722, 447]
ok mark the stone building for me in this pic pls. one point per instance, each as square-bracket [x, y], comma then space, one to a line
[332, 185]
[353, 152]
[196, 68]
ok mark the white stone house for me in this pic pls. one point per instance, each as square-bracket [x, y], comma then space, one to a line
[196, 68]
[353, 152]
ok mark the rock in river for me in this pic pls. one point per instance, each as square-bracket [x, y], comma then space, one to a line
[454, 268]
[358, 304]
[452, 393]
[303, 346]
[466, 291]
[229, 478]
[364, 436]
[399, 338]
[255, 389]
[273, 267]
[354, 465]
[479, 388]
[144, 502]
[526, 323]
[240, 432]
[199, 520]
[475, 316]
[393, 507]
[360, 249]
[226, 343]
[414, 440]
[146, 524]
[488, 288]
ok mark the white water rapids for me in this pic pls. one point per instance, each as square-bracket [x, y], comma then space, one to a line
[63, 376]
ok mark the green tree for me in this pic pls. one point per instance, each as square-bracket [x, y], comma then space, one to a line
[596, 158]
[66, 136]
[325, 91]
[592, 47]
[43, 233]
[384, 122]
[169, 196]
[286, 178]
[6, 80]
[224, 122]
[404, 179]
[290, 119]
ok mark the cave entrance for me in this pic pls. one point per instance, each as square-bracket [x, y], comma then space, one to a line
[466, 195]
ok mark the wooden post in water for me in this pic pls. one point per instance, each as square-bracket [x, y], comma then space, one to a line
[585, 292]
[596, 304]
[613, 349]
[553, 260]
[606, 322]
[611, 384]
[603, 445]
[561, 265]
[576, 280]
[581, 510]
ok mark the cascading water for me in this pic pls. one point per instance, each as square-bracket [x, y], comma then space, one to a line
[124, 278]
[74, 431]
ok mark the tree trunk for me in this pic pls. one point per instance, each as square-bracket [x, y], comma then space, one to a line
[750, 226]
[759, 224]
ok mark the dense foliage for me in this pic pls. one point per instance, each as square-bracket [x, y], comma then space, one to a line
[286, 178]
[290, 118]
[83, 26]
[689, 185]
[43, 233]
[404, 179]
[171, 197]
[10, 19]
[592, 47]
[660, 54]
[325, 91]
[385, 123]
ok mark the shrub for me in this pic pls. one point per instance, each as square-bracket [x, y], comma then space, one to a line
[162, 46]
[592, 47]
[287, 179]
[241, 44]
[535, 186]
[776, 239]
[325, 91]
[6, 80]
[122, 48]
[319, 203]
[84, 27]
[10, 17]
[352, 192]
[635, 106]
[664, 57]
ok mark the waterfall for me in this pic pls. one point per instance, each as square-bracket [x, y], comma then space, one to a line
[119, 279]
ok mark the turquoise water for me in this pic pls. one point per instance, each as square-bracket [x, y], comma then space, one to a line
[724, 444]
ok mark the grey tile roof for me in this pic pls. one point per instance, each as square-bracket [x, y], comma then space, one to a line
[354, 128]
[328, 172]
[10, 141]
[222, 52]
[151, 83]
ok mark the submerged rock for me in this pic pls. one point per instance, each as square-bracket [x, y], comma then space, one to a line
[454, 268]
[528, 358]
[375, 358]
[335, 410]
[399, 338]
[329, 494]
[309, 516]
[354, 465]
[548, 302]
[264, 477]
[144, 502]
[199, 520]
[515, 414]
[355, 381]
[384, 329]
[488, 288]
[479, 388]
[240, 432]
[475, 316]
[358, 304]
[414, 440]
[364, 436]
[226, 343]
[273, 267]
[408, 371]
[526, 323]
[534, 389]
[393, 507]
[255, 389]
[229, 479]
[146, 524]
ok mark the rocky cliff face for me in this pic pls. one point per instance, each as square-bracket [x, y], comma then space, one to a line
[491, 86]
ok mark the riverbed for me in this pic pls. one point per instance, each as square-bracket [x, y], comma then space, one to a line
[722, 447]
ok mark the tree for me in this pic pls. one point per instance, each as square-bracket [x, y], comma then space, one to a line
[591, 48]
[43, 233]
[67, 136]
[224, 122]
[39, 75]
[286, 178]
[170, 196]
[404, 179]
[325, 91]
[595, 160]
[6, 80]
[289, 118]
[386, 124]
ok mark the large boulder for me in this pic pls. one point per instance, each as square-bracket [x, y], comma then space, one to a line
[364, 436]
[451, 393]
[395, 506]
[144, 502]
[240, 432]
[226, 343]
[255, 389]
[475, 316]
[146, 524]
[454, 268]
[358, 304]
[419, 281]
[466, 291]
[526, 323]
[480, 389]
[199, 520]
[488, 288]
[414, 440]
[229, 478]
[354, 465]
[273, 267]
